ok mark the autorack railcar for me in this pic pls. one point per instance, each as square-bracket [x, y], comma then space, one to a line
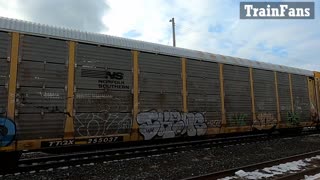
[61, 87]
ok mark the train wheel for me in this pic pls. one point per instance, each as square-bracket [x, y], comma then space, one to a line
[9, 160]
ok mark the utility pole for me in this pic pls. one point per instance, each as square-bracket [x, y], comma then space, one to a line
[173, 32]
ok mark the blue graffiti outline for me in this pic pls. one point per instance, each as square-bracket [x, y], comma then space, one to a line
[11, 132]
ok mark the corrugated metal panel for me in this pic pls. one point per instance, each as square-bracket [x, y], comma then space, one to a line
[41, 74]
[103, 99]
[284, 95]
[33, 126]
[38, 29]
[237, 95]
[37, 100]
[203, 87]
[103, 57]
[41, 94]
[43, 49]
[201, 69]
[93, 101]
[4, 45]
[204, 103]
[160, 102]
[102, 124]
[301, 100]
[159, 64]
[3, 100]
[160, 82]
[265, 97]
[4, 71]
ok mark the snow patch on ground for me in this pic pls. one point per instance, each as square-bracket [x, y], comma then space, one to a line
[314, 177]
[269, 172]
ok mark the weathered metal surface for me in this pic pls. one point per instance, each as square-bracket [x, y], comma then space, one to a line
[4, 71]
[301, 101]
[160, 83]
[102, 101]
[62, 33]
[237, 95]
[89, 55]
[284, 95]
[41, 94]
[160, 64]
[3, 100]
[4, 45]
[42, 74]
[203, 87]
[38, 100]
[34, 126]
[103, 98]
[265, 98]
[196, 68]
[43, 49]
[102, 123]
[160, 102]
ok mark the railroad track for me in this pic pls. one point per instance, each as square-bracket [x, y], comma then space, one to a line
[257, 168]
[79, 158]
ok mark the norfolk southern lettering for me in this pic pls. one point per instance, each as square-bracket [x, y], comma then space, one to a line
[107, 79]
[276, 10]
[112, 84]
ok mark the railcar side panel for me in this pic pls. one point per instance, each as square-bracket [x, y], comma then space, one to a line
[237, 96]
[203, 87]
[41, 94]
[160, 83]
[265, 99]
[301, 99]
[103, 98]
[160, 97]
[4, 71]
[284, 96]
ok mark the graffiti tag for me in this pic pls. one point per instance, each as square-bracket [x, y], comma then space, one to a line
[171, 124]
[264, 119]
[7, 131]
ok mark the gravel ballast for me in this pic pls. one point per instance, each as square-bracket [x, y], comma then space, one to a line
[182, 164]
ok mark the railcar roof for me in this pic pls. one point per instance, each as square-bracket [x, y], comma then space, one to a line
[26, 27]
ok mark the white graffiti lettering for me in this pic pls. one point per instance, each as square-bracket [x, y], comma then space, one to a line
[171, 124]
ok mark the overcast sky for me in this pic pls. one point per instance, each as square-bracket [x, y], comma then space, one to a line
[207, 25]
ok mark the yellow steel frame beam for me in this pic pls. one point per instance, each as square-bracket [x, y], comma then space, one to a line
[15, 37]
[291, 94]
[252, 95]
[223, 111]
[184, 84]
[69, 126]
[277, 97]
[135, 127]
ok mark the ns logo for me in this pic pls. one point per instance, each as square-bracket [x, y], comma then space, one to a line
[114, 75]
